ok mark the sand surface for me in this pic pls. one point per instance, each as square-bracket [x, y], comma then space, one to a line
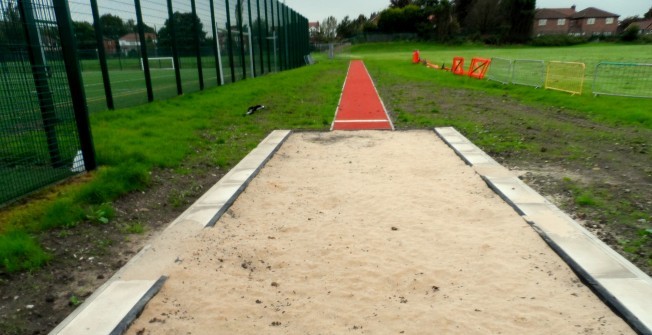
[371, 233]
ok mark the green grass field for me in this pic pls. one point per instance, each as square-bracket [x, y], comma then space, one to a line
[209, 126]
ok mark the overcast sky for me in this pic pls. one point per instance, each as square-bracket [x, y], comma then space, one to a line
[318, 10]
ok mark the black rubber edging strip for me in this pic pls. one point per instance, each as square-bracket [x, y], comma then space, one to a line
[135, 311]
[244, 185]
[604, 294]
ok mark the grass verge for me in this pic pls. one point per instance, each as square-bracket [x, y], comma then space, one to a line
[208, 129]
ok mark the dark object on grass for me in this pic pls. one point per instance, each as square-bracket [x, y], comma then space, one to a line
[254, 109]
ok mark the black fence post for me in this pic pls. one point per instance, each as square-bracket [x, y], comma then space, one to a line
[260, 38]
[252, 54]
[216, 53]
[267, 37]
[175, 51]
[40, 74]
[238, 13]
[99, 37]
[230, 40]
[143, 51]
[75, 83]
[195, 30]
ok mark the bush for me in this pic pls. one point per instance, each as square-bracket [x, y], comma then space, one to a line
[558, 40]
[630, 34]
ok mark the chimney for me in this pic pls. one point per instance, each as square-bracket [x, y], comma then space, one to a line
[573, 7]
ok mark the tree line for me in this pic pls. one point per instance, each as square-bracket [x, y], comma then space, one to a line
[488, 21]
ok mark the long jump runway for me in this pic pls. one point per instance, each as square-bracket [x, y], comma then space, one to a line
[369, 232]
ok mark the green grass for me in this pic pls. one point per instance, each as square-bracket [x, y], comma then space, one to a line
[206, 128]
[209, 128]
[393, 59]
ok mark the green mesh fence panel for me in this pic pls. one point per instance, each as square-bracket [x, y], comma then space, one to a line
[623, 79]
[529, 72]
[500, 70]
[38, 133]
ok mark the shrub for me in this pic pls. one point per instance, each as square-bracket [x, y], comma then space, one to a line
[558, 40]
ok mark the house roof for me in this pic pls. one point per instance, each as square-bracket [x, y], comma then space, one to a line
[313, 25]
[643, 24]
[593, 12]
[554, 13]
[133, 37]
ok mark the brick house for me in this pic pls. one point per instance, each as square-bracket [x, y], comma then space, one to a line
[644, 26]
[587, 22]
[131, 43]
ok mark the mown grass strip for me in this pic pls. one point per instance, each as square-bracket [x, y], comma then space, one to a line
[207, 128]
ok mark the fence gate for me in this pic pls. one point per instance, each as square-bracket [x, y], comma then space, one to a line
[44, 130]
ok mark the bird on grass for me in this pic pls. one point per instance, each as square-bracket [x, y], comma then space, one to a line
[254, 109]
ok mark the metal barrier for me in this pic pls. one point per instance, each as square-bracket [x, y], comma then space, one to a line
[529, 72]
[623, 79]
[500, 70]
[44, 129]
[565, 76]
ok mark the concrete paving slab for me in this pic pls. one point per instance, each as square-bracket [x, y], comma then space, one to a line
[635, 295]
[108, 309]
[514, 191]
[116, 303]
[617, 281]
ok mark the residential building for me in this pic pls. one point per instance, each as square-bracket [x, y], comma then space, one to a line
[644, 26]
[587, 22]
[131, 43]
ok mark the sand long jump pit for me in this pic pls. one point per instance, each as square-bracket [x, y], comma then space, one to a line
[371, 232]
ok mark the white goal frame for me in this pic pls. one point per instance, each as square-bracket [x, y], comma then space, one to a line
[150, 59]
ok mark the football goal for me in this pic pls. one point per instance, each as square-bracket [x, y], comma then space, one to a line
[159, 63]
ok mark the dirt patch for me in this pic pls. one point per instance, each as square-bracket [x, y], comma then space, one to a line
[599, 173]
[86, 256]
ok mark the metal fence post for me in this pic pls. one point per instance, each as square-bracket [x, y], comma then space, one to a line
[267, 37]
[175, 50]
[195, 30]
[260, 39]
[216, 52]
[99, 37]
[251, 39]
[143, 51]
[75, 83]
[230, 40]
[238, 21]
[40, 74]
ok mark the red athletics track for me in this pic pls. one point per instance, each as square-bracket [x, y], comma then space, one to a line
[360, 106]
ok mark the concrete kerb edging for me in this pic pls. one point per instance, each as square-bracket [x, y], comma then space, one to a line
[618, 282]
[118, 302]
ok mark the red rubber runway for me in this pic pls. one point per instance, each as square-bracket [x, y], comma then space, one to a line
[360, 106]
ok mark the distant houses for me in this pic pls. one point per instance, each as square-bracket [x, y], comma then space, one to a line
[130, 43]
[644, 26]
[588, 22]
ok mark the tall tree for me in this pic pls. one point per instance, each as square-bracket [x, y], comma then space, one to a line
[462, 9]
[329, 28]
[484, 17]
[113, 27]
[184, 33]
[85, 35]
[399, 3]
[518, 16]
[11, 28]
[648, 15]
